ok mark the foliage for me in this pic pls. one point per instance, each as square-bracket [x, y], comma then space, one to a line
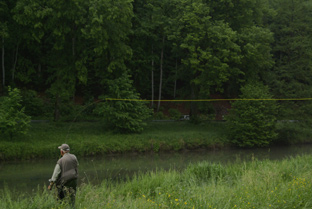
[291, 76]
[255, 184]
[88, 139]
[191, 48]
[68, 45]
[34, 106]
[292, 131]
[252, 122]
[159, 116]
[123, 116]
[13, 119]
[174, 114]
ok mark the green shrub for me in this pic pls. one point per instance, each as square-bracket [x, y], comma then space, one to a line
[123, 116]
[70, 111]
[252, 122]
[206, 108]
[205, 171]
[195, 119]
[34, 106]
[159, 116]
[13, 119]
[174, 114]
[292, 132]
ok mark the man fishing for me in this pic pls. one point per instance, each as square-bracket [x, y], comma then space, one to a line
[65, 175]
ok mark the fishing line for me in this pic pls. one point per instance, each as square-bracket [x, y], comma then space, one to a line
[207, 100]
[79, 113]
[178, 100]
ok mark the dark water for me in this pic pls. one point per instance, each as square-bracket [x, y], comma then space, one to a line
[28, 176]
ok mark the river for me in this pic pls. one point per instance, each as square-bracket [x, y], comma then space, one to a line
[29, 176]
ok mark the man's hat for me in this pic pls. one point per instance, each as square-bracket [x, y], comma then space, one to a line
[64, 147]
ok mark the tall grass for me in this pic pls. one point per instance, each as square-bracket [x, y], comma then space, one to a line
[256, 184]
[91, 138]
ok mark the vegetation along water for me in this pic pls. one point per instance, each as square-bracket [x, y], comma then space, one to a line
[88, 138]
[254, 184]
[125, 63]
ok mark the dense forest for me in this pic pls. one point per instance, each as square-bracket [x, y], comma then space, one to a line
[59, 51]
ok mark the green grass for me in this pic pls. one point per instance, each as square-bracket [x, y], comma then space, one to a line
[92, 138]
[257, 184]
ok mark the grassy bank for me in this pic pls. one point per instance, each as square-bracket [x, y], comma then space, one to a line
[257, 184]
[91, 138]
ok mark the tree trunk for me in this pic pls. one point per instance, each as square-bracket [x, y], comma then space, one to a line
[74, 53]
[14, 65]
[152, 103]
[175, 79]
[39, 70]
[161, 72]
[57, 108]
[194, 107]
[73, 45]
[3, 69]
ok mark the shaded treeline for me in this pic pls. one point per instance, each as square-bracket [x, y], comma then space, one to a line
[173, 49]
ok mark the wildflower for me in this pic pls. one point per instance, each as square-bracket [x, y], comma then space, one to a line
[185, 203]
[177, 200]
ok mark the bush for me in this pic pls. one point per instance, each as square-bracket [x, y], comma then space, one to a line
[174, 114]
[13, 119]
[205, 171]
[71, 111]
[122, 115]
[34, 106]
[292, 132]
[252, 122]
[195, 119]
[159, 116]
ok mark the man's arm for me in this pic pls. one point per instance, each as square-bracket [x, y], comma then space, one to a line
[56, 173]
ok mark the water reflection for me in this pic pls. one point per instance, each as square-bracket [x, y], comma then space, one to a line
[30, 175]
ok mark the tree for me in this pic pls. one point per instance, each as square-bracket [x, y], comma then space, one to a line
[210, 53]
[292, 73]
[13, 119]
[252, 122]
[151, 50]
[123, 116]
[3, 35]
[74, 39]
[56, 30]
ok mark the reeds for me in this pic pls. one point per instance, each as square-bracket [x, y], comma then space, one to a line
[256, 184]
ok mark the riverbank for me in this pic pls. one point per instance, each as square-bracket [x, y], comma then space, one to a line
[256, 184]
[92, 138]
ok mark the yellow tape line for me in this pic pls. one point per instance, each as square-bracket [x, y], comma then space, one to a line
[207, 100]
